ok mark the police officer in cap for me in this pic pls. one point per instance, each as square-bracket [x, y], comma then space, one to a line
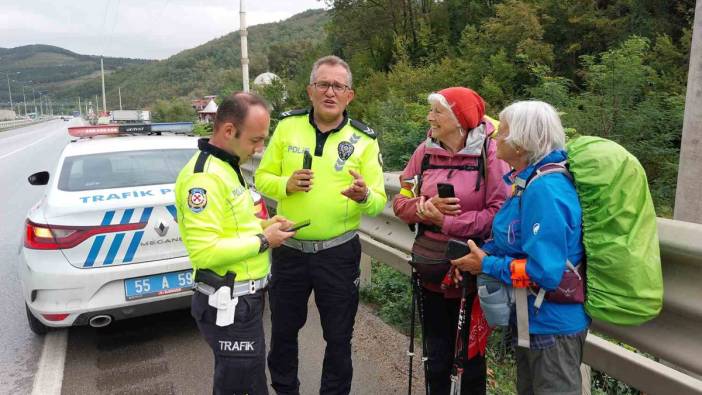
[228, 244]
[345, 181]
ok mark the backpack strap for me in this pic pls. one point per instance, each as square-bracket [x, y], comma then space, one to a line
[556, 167]
[482, 164]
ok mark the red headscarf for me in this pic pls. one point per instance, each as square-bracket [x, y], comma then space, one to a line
[466, 104]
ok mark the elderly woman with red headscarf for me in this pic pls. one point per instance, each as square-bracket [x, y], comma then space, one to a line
[459, 152]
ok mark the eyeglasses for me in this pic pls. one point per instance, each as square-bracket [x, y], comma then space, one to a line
[323, 86]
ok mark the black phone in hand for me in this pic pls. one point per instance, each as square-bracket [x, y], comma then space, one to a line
[456, 249]
[307, 160]
[445, 190]
[298, 225]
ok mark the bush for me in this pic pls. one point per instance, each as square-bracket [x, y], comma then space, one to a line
[391, 294]
[177, 110]
[202, 129]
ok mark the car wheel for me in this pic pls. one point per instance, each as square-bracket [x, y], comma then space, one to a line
[34, 324]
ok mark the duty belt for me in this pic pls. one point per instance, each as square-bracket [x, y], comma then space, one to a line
[314, 246]
[240, 288]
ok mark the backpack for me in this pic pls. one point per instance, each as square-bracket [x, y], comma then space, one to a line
[623, 276]
[620, 234]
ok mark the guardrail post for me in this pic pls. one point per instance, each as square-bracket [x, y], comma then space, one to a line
[365, 270]
[585, 372]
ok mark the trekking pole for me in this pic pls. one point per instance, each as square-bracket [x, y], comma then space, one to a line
[461, 348]
[420, 309]
[410, 352]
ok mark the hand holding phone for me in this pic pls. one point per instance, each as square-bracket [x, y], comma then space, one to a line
[456, 249]
[446, 202]
[298, 225]
[307, 160]
[445, 190]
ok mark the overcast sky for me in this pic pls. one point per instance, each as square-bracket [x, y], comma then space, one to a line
[153, 29]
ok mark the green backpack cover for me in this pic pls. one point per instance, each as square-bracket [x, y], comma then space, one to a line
[620, 234]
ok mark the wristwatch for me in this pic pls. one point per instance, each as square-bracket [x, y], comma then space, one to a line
[365, 198]
[264, 243]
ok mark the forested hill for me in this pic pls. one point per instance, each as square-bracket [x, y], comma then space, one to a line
[212, 68]
[52, 68]
[613, 68]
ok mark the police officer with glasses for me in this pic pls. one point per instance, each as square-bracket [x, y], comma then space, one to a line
[228, 245]
[343, 182]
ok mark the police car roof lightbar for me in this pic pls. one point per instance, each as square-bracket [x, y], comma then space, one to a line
[107, 130]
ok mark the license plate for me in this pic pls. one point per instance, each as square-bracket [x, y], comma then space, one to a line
[158, 284]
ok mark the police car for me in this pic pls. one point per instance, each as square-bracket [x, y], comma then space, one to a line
[103, 243]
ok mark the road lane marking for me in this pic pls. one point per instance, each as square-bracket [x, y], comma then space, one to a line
[49, 377]
[26, 146]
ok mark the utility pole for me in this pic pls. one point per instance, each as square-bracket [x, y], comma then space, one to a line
[244, 46]
[119, 92]
[8, 89]
[687, 204]
[41, 105]
[24, 101]
[79, 108]
[34, 99]
[102, 70]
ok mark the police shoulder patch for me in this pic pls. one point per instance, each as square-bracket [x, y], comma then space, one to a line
[197, 199]
[365, 129]
[302, 111]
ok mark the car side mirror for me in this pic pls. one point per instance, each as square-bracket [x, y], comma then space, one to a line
[40, 178]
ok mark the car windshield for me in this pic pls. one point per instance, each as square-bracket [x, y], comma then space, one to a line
[122, 169]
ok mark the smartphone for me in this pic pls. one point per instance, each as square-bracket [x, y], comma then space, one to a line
[298, 225]
[445, 190]
[456, 249]
[307, 160]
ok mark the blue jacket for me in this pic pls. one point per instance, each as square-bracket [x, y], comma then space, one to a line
[547, 231]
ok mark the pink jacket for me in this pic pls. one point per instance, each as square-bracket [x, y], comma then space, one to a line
[478, 208]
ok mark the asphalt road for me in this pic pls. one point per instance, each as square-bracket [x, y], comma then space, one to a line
[23, 151]
[160, 354]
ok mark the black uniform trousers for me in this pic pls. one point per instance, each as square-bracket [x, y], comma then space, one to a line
[239, 349]
[333, 274]
[440, 321]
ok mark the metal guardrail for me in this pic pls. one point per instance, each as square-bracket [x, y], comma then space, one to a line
[675, 336]
[5, 125]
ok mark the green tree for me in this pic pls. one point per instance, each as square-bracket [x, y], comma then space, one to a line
[177, 110]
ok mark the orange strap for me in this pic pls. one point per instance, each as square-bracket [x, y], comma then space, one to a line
[520, 278]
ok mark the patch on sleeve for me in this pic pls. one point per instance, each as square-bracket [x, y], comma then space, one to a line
[535, 229]
[197, 199]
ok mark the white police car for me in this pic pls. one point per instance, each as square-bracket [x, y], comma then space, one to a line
[103, 243]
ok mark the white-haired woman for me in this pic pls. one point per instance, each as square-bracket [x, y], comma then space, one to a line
[536, 233]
